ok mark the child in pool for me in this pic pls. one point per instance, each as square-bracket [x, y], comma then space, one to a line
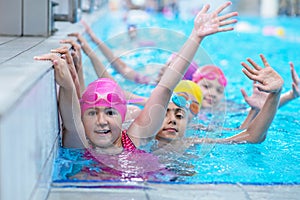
[269, 81]
[212, 82]
[184, 105]
[96, 122]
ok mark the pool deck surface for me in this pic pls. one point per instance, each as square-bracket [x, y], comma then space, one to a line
[63, 191]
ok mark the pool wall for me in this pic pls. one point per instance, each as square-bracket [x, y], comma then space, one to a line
[29, 123]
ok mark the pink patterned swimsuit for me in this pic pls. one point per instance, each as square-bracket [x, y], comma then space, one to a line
[131, 164]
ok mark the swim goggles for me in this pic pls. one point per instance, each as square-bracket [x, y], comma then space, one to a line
[181, 100]
[110, 98]
[95, 98]
[210, 76]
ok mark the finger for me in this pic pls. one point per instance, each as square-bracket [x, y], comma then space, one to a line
[249, 69]
[228, 22]
[248, 74]
[73, 34]
[245, 95]
[294, 74]
[227, 16]
[49, 56]
[264, 60]
[204, 9]
[222, 7]
[69, 58]
[75, 57]
[256, 66]
[66, 41]
[62, 49]
[76, 46]
[225, 29]
[59, 50]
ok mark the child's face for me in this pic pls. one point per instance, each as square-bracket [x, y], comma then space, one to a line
[103, 126]
[213, 92]
[175, 123]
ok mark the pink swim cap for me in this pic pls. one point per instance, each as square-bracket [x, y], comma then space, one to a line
[210, 72]
[104, 92]
[190, 71]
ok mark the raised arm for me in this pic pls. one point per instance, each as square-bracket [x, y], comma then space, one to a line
[73, 130]
[256, 102]
[258, 98]
[99, 67]
[150, 120]
[268, 81]
[97, 64]
[295, 91]
[126, 71]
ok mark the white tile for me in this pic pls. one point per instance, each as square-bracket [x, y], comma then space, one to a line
[93, 194]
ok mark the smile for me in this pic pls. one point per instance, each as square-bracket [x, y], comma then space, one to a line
[102, 131]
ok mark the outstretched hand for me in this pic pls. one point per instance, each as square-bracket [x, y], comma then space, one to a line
[268, 79]
[209, 23]
[257, 99]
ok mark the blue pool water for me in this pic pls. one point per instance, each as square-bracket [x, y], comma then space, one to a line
[276, 160]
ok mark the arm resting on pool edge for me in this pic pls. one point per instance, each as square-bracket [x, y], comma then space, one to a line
[69, 107]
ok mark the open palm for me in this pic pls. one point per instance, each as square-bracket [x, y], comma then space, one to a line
[210, 23]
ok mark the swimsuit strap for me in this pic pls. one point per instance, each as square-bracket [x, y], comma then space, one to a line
[126, 142]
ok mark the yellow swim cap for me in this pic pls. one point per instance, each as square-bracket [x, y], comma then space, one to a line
[191, 88]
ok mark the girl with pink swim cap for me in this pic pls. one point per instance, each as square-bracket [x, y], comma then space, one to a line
[212, 81]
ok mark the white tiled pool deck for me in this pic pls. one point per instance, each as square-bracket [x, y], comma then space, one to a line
[19, 72]
[177, 191]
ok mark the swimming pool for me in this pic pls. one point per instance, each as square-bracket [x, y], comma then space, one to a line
[275, 161]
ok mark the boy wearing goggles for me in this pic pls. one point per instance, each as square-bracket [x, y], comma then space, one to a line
[185, 104]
